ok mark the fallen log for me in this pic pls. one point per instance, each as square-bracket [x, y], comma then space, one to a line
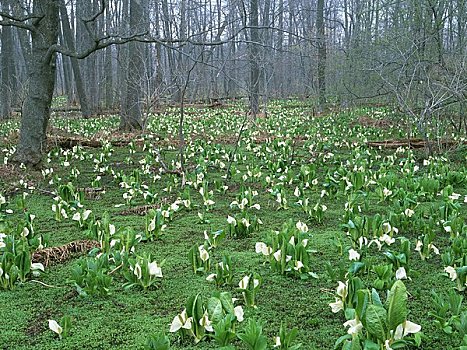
[413, 143]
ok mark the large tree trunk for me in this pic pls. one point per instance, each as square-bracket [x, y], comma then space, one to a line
[36, 108]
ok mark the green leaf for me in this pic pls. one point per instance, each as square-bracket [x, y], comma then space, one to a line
[157, 342]
[399, 344]
[215, 309]
[375, 298]
[376, 321]
[355, 267]
[226, 300]
[354, 344]
[341, 339]
[397, 309]
[369, 345]
[253, 336]
[362, 303]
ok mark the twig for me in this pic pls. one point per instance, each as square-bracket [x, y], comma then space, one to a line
[116, 269]
[49, 193]
[46, 285]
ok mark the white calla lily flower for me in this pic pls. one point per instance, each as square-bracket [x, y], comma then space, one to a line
[137, 271]
[238, 312]
[355, 326]
[452, 272]
[277, 255]
[387, 227]
[405, 329]
[211, 277]
[86, 214]
[181, 321]
[243, 284]
[55, 327]
[418, 246]
[353, 255]
[154, 269]
[401, 273]
[111, 229]
[37, 266]
[277, 342]
[342, 290]
[298, 265]
[301, 226]
[337, 306]
[203, 253]
[206, 323]
[231, 220]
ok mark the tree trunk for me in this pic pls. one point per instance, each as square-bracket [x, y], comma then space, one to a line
[68, 36]
[254, 57]
[321, 53]
[131, 115]
[36, 108]
[7, 69]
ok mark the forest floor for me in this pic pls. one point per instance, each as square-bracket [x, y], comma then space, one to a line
[291, 167]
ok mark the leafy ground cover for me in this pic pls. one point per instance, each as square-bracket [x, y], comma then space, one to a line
[321, 240]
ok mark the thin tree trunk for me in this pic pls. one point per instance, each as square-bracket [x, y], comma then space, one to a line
[68, 35]
[254, 57]
[321, 53]
[7, 69]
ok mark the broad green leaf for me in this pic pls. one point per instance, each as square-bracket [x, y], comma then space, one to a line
[369, 345]
[341, 339]
[353, 345]
[399, 344]
[375, 298]
[376, 321]
[397, 305]
[215, 309]
[226, 300]
[362, 303]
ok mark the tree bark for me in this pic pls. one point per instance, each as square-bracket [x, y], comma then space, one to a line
[321, 53]
[254, 57]
[36, 108]
[68, 36]
[7, 69]
[131, 114]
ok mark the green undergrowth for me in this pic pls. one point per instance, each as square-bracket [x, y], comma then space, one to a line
[125, 318]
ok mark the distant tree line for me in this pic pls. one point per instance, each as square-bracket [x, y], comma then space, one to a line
[134, 55]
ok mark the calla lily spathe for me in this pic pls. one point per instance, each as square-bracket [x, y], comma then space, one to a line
[154, 269]
[355, 326]
[55, 327]
[405, 329]
[261, 247]
[353, 255]
[181, 321]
